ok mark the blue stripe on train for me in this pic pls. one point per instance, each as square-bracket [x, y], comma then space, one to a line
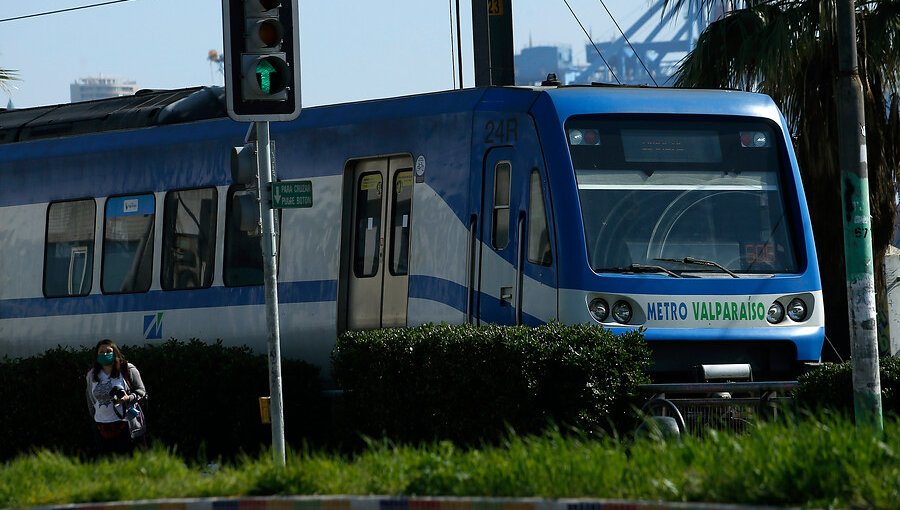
[421, 287]
[455, 295]
[293, 292]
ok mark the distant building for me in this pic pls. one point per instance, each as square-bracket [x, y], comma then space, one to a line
[646, 53]
[534, 63]
[91, 88]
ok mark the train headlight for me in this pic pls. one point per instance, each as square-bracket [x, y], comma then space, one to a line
[576, 137]
[754, 139]
[599, 309]
[796, 310]
[775, 313]
[621, 312]
[584, 137]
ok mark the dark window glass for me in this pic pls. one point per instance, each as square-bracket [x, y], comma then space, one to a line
[367, 224]
[128, 244]
[401, 209]
[538, 234]
[189, 239]
[500, 233]
[69, 259]
[655, 190]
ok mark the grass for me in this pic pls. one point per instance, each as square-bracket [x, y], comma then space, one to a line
[810, 462]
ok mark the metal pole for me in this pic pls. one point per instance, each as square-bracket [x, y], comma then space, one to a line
[267, 239]
[481, 43]
[857, 225]
[459, 46]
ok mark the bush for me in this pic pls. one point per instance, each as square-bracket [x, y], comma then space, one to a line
[203, 399]
[468, 384]
[44, 403]
[830, 386]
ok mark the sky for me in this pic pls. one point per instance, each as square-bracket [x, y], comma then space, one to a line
[350, 50]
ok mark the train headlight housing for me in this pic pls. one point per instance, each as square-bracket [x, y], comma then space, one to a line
[576, 137]
[796, 310]
[775, 313]
[584, 137]
[621, 312]
[599, 309]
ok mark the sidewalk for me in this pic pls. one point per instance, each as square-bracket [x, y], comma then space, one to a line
[397, 503]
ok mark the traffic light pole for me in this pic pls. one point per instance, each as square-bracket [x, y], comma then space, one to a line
[269, 247]
[857, 225]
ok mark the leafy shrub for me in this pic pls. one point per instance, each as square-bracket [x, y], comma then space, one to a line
[830, 386]
[468, 384]
[44, 402]
[203, 399]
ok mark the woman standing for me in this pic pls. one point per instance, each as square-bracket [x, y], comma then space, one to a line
[113, 384]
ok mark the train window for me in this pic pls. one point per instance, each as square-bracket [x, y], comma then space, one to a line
[128, 244]
[243, 259]
[189, 239]
[538, 234]
[401, 207]
[660, 189]
[69, 259]
[367, 224]
[500, 232]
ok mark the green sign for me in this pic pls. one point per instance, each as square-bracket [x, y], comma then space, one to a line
[292, 194]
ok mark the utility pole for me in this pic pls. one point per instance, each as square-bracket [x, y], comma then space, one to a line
[492, 40]
[857, 225]
[270, 283]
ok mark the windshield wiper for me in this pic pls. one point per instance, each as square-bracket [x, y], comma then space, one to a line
[643, 268]
[701, 262]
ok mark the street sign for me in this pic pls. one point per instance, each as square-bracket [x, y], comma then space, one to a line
[292, 194]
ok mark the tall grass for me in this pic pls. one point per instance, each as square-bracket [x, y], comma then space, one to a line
[810, 462]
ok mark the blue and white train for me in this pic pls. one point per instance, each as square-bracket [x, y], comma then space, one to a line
[677, 211]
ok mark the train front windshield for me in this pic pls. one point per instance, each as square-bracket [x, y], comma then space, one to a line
[655, 191]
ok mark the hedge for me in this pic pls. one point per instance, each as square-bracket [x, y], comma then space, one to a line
[463, 383]
[203, 399]
[472, 384]
[830, 386]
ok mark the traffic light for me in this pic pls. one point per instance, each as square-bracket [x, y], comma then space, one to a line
[262, 59]
[245, 172]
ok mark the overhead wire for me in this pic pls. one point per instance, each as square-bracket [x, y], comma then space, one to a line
[47, 13]
[613, 73]
[636, 54]
[452, 50]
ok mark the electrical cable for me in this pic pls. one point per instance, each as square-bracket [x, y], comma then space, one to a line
[636, 54]
[63, 10]
[613, 73]
[452, 52]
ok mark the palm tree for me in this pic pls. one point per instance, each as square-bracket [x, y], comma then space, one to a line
[788, 50]
[6, 76]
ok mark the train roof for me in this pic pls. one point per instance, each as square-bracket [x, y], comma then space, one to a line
[145, 108]
[148, 108]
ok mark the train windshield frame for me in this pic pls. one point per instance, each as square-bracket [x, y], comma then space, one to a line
[657, 190]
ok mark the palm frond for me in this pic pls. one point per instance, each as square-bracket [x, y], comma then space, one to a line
[881, 30]
[6, 76]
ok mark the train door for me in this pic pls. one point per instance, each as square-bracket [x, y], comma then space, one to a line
[379, 223]
[498, 282]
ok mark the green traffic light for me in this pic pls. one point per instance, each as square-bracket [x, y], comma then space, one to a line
[264, 70]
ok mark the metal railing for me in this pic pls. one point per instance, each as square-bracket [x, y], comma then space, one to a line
[731, 406]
